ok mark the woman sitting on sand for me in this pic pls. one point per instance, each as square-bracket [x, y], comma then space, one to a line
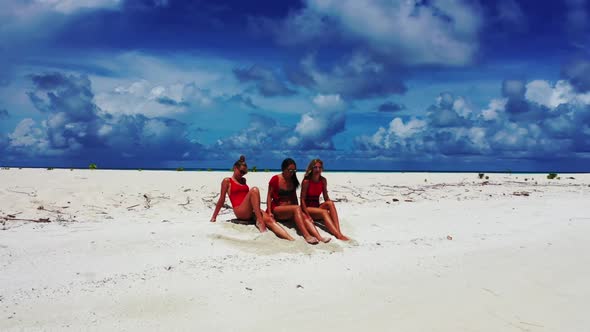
[246, 201]
[282, 202]
[314, 185]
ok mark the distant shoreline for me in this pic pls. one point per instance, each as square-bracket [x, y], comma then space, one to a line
[301, 170]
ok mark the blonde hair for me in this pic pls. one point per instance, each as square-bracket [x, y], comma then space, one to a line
[309, 169]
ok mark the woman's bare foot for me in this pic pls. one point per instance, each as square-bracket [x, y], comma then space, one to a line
[312, 240]
[343, 238]
[261, 226]
[326, 239]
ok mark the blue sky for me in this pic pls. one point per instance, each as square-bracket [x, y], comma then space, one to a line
[373, 85]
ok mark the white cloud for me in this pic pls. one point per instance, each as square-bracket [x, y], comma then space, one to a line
[411, 32]
[25, 134]
[495, 107]
[400, 129]
[328, 102]
[315, 129]
[150, 99]
[551, 96]
[310, 126]
[69, 6]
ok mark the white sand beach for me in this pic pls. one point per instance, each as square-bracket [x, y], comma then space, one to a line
[134, 250]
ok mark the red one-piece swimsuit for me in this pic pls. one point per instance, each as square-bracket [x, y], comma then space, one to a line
[237, 192]
[314, 190]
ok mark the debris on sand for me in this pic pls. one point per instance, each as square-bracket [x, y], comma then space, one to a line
[521, 193]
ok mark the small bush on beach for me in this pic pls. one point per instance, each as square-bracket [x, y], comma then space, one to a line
[254, 169]
[92, 166]
[180, 169]
[267, 170]
[551, 176]
[50, 168]
[481, 175]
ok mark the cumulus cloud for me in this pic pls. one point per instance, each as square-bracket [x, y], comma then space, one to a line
[448, 111]
[27, 136]
[263, 133]
[315, 129]
[76, 126]
[436, 32]
[146, 98]
[329, 102]
[556, 126]
[267, 82]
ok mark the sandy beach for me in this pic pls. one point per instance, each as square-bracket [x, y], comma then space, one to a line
[106, 250]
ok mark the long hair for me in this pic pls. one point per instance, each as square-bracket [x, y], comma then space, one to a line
[286, 163]
[240, 162]
[309, 169]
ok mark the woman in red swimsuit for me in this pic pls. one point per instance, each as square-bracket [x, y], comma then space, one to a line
[282, 202]
[246, 201]
[314, 185]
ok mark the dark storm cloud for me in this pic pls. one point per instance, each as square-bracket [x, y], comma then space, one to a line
[171, 102]
[391, 107]
[514, 90]
[267, 82]
[243, 100]
[577, 72]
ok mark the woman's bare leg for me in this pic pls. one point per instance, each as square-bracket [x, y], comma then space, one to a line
[314, 231]
[317, 213]
[272, 224]
[251, 204]
[330, 206]
[294, 212]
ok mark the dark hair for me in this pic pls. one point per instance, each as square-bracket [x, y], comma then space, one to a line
[286, 164]
[240, 162]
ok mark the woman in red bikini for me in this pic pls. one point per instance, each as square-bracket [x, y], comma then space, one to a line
[282, 202]
[314, 185]
[246, 201]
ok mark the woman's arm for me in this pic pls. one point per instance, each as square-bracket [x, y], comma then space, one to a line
[304, 186]
[270, 193]
[325, 193]
[221, 200]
